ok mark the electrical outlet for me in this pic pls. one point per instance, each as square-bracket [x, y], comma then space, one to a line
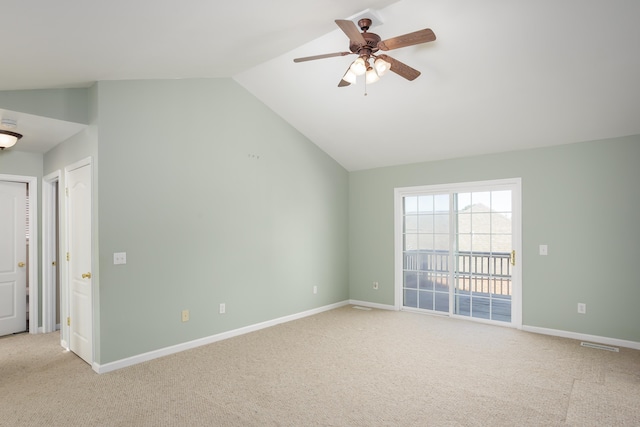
[223, 308]
[119, 258]
[375, 285]
[185, 315]
[315, 289]
[544, 250]
[582, 308]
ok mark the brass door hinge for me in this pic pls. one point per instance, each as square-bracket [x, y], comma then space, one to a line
[68, 321]
[66, 190]
[513, 257]
[68, 256]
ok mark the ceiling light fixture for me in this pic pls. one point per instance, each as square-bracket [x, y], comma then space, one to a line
[359, 66]
[371, 76]
[8, 138]
[381, 66]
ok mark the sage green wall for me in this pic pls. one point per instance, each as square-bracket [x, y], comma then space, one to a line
[580, 199]
[215, 199]
[63, 104]
[23, 163]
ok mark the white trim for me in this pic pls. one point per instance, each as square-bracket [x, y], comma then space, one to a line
[516, 183]
[144, 357]
[50, 221]
[582, 337]
[32, 181]
[373, 305]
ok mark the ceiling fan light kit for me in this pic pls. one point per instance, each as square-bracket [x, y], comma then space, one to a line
[367, 45]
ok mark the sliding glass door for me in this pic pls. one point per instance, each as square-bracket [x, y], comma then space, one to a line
[456, 250]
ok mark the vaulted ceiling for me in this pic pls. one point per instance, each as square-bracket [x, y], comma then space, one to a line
[502, 74]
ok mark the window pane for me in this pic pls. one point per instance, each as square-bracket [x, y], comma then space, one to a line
[410, 261]
[501, 310]
[424, 281]
[441, 223]
[425, 204]
[463, 201]
[441, 283]
[442, 302]
[410, 205]
[500, 223]
[480, 308]
[410, 298]
[481, 242]
[501, 201]
[441, 203]
[481, 223]
[441, 242]
[501, 243]
[425, 261]
[481, 201]
[411, 224]
[464, 243]
[425, 300]
[410, 279]
[463, 305]
[464, 223]
[410, 242]
[425, 241]
[425, 223]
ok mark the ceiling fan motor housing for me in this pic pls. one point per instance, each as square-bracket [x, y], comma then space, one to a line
[371, 39]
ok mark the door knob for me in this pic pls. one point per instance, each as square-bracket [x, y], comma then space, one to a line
[21, 264]
[86, 276]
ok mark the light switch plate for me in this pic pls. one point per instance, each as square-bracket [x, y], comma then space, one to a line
[119, 258]
[544, 250]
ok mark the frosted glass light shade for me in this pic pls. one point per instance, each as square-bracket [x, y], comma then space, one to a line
[381, 66]
[8, 139]
[372, 76]
[349, 77]
[359, 66]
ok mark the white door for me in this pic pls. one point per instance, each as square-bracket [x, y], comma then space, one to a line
[13, 257]
[80, 318]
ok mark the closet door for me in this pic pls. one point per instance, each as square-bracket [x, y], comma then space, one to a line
[13, 257]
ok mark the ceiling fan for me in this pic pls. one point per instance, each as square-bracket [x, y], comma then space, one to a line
[367, 45]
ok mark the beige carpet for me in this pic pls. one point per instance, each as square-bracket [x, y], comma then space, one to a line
[345, 367]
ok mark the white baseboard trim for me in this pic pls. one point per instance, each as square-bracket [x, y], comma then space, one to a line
[144, 357]
[372, 305]
[583, 337]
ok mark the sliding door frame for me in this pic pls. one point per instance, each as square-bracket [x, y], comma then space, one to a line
[514, 184]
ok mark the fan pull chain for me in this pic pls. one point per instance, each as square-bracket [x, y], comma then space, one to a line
[365, 86]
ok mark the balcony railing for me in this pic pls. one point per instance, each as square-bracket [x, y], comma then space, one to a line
[476, 272]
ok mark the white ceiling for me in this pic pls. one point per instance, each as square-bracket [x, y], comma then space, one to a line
[502, 75]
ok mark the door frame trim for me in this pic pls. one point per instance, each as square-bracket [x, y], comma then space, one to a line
[400, 192]
[49, 219]
[32, 181]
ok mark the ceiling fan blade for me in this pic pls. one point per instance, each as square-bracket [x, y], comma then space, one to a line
[401, 68]
[350, 29]
[326, 55]
[417, 37]
[343, 82]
